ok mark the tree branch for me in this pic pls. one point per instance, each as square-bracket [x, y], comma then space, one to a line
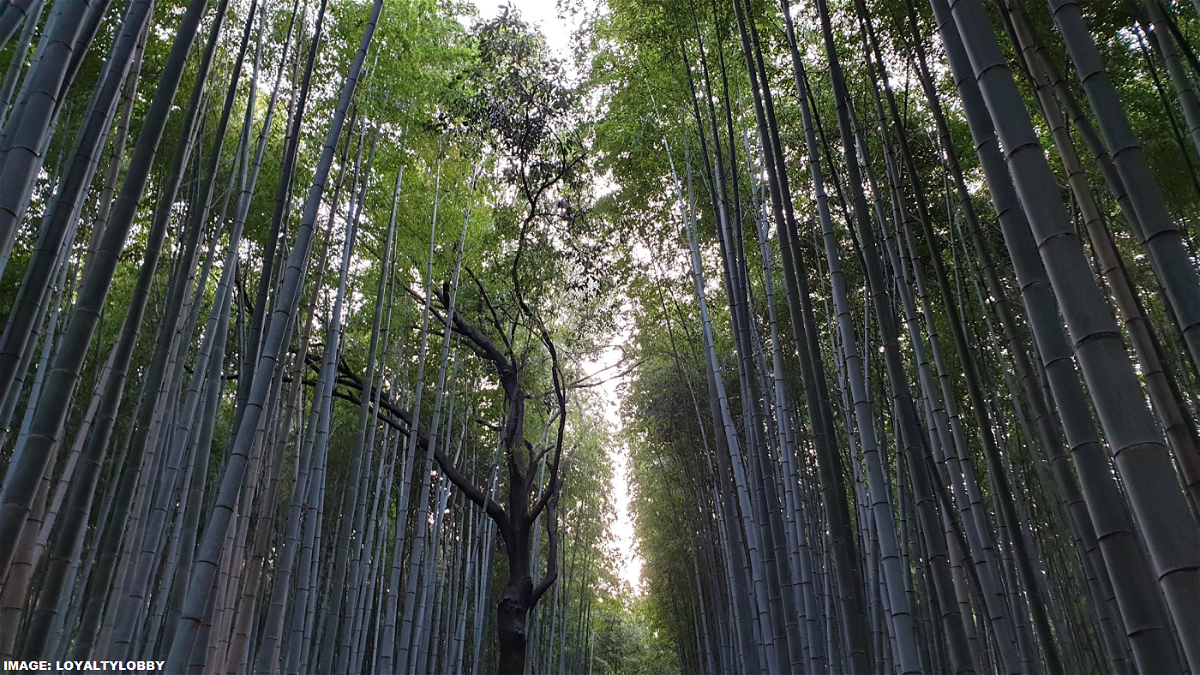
[480, 343]
[493, 509]
[487, 302]
[552, 564]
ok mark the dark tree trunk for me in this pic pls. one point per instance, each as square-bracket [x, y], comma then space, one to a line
[512, 614]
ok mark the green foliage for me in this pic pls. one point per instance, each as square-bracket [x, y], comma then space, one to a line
[629, 639]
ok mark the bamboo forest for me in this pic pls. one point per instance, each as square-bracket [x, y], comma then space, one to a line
[600, 337]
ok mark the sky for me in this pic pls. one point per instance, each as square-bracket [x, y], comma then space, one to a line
[544, 14]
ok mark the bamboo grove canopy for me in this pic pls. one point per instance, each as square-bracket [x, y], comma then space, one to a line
[334, 329]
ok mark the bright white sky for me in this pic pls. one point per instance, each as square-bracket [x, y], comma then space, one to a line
[544, 14]
[541, 13]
